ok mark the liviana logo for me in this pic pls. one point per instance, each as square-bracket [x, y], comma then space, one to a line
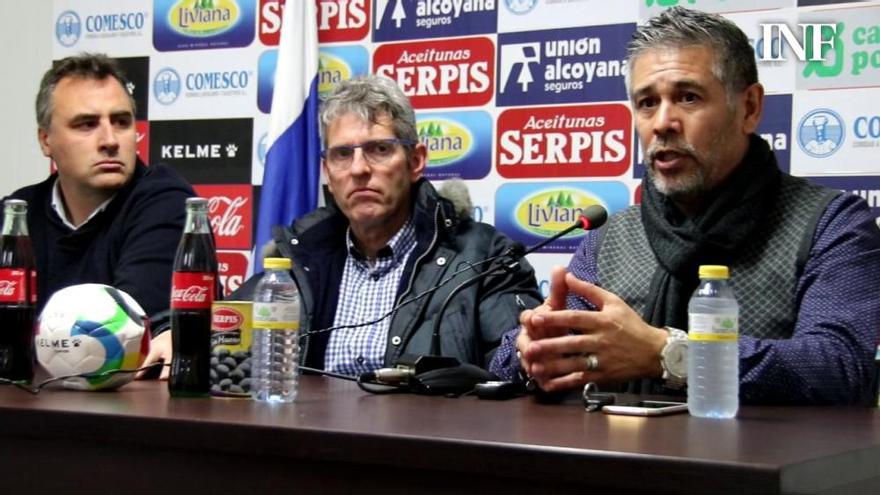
[203, 18]
[447, 141]
[549, 212]
[331, 71]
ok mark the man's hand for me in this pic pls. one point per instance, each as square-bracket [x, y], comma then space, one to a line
[625, 346]
[554, 302]
[160, 350]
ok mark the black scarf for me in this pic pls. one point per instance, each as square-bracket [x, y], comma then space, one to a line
[724, 226]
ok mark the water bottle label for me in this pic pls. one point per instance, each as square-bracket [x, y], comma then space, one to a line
[713, 328]
[276, 316]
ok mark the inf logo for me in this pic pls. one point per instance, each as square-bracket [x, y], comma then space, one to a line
[520, 7]
[820, 133]
[166, 86]
[68, 28]
[519, 56]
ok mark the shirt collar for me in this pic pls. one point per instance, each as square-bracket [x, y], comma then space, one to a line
[397, 248]
[58, 206]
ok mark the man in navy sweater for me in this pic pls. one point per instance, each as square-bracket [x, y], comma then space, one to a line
[103, 217]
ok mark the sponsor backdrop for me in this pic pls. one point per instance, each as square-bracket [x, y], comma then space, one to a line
[523, 99]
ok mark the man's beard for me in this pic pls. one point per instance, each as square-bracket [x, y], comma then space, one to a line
[686, 184]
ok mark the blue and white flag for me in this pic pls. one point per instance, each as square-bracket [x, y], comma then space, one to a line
[292, 172]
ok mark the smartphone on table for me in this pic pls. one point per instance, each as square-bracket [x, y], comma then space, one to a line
[646, 408]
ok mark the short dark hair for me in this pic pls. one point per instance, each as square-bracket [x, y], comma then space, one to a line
[86, 66]
[679, 27]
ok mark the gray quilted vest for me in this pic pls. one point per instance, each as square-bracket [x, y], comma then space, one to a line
[764, 276]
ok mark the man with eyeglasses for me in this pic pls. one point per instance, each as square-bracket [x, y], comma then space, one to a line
[389, 237]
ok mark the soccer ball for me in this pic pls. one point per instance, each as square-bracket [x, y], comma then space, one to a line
[91, 328]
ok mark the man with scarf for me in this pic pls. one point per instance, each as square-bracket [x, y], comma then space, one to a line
[804, 260]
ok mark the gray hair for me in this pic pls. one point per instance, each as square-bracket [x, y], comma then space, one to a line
[95, 66]
[370, 97]
[679, 27]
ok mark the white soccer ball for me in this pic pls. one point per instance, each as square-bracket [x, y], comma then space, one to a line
[90, 329]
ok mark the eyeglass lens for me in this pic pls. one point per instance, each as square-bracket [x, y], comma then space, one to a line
[375, 151]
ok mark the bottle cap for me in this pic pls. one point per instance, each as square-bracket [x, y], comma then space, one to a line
[277, 263]
[714, 271]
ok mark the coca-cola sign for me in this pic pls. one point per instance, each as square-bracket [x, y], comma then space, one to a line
[230, 208]
[7, 288]
[12, 285]
[191, 290]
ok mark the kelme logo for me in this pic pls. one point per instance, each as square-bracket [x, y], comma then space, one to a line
[447, 141]
[331, 71]
[549, 212]
[203, 18]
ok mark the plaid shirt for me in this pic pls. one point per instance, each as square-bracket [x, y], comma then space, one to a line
[367, 292]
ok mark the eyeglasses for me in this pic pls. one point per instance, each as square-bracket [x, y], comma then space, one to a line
[376, 152]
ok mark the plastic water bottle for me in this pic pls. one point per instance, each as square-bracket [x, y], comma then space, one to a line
[275, 344]
[713, 352]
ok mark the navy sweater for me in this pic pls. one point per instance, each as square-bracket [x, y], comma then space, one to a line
[130, 245]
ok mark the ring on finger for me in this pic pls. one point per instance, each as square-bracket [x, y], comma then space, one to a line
[592, 362]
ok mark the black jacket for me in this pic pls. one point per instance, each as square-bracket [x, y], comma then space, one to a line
[472, 324]
[130, 245]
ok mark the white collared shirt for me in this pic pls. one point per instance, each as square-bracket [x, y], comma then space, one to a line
[58, 206]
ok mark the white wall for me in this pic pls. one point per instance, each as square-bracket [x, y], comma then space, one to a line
[25, 53]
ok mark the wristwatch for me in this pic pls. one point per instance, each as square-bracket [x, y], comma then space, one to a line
[673, 358]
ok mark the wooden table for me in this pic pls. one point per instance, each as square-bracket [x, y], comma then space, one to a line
[337, 438]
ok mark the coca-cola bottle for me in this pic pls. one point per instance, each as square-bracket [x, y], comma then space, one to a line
[193, 289]
[18, 294]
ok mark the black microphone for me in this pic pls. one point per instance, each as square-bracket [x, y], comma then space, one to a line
[592, 218]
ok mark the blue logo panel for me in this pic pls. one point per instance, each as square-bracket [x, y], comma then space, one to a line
[868, 187]
[775, 128]
[266, 79]
[459, 144]
[415, 19]
[581, 64]
[202, 24]
[68, 28]
[532, 212]
[821, 133]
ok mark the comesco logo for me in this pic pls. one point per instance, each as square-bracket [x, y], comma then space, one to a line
[166, 86]
[68, 28]
[445, 73]
[820, 133]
